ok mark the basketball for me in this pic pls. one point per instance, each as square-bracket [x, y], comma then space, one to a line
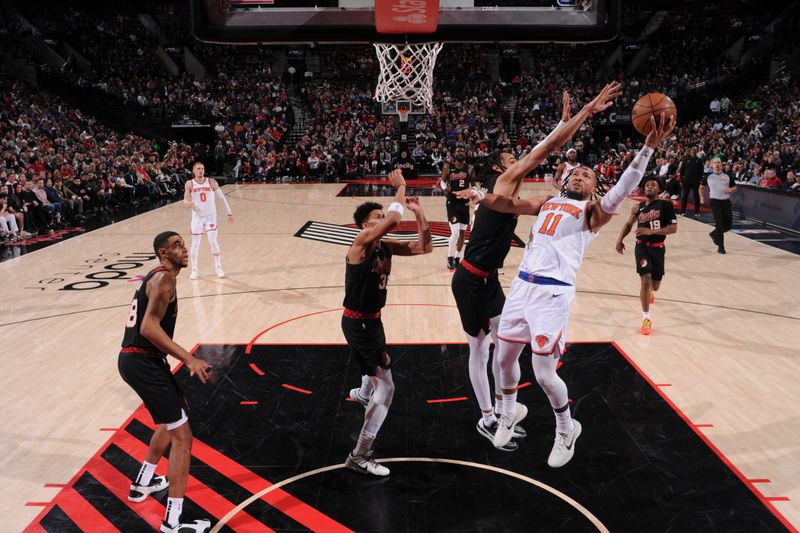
[652, 105]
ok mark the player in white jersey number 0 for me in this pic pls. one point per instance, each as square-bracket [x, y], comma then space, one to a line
[199, 196]
[536, 311]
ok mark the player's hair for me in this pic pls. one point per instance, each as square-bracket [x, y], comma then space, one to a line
[485, 171]
[363, 211]
[161, 240]
[198, 162]
[652, 177]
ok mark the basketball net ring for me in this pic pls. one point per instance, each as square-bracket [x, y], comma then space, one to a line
[406, 73]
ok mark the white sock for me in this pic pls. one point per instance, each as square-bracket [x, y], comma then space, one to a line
[455, 231]
[646, 314]
[489, 419]
[366, 388]
[458, 254]
[174, 509]
[364, 444]
[564, 423]
[145, 474]
[509, 404]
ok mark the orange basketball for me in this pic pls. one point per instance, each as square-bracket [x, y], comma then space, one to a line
[652, 105]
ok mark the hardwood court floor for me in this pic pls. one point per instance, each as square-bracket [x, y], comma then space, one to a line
[724, 343]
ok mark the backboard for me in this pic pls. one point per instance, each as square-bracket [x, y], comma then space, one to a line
[398, 21]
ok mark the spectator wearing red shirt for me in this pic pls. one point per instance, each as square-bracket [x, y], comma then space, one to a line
[771, 180]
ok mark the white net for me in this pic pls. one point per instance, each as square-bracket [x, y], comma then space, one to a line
[407, 72]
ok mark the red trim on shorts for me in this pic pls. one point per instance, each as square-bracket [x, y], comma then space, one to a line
[474, 271]
[652, 244]
[555, 344]
[349, 313]
[136, 349]
[515, 341]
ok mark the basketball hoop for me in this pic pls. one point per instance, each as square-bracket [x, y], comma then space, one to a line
[406, 73]
[403, 112]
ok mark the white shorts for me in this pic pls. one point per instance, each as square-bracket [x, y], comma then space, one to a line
[537, 315]
[203, 223]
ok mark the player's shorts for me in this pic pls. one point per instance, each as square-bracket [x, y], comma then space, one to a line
[650, 260]
[457, 212]
[203, 223]
[538, 315]
[150, 376]
[478, 299]
[367, 343]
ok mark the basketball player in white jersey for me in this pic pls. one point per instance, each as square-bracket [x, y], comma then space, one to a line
[199, 196]
[537, 308]
[565, 169]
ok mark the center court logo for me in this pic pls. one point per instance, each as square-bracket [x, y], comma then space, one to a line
[405, 231]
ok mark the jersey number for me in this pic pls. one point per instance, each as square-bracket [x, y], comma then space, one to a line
[461, 183]
[655, 224]
[384, 281]
[202, 197]
[550, 223]
[132, 314]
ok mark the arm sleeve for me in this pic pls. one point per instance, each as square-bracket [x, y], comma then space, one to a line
[552, 133]
[224, 201]
[627, 182]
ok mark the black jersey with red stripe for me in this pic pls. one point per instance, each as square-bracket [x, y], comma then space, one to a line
[133, 336]
[459, 179]
[655, 215]
[490, 239]
[365, 283]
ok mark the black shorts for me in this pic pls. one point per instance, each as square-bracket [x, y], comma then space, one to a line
[457, 212]
[367, 343]
[150, 376]
[478, 299]
[650, 260]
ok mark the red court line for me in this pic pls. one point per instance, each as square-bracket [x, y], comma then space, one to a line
[248, 402]
[55, 485]
[34, 527]
[215, 504]
[663, 384]
[296, 389]
[84, 514]
[708, 442]
[760, 480]
[254, 339]
[448, 400]
[523, 385]
[108, 429]
[778, 498]
[281, 500]
[37, 504]
[256, 369]
[703, 425]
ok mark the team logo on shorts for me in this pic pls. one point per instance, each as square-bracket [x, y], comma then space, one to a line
[212, 226]
[542, 340]
[405, 231]
[643, 263]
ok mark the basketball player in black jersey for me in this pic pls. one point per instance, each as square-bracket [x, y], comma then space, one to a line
[368, 265]
[143, 365]
[456, 178]
[476, 287]
[655, 219]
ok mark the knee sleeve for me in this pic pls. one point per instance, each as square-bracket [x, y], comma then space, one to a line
[478, 359]
[378, 407]
[508, 356]
[544, 368]
[212, 240]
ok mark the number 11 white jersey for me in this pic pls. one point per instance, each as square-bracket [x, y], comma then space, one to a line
[558, 239]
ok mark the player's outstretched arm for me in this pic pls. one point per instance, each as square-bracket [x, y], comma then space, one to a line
[626, 228]
[602, 211]
[394, 214]
[424, 242]
[160, 290]
[504, 204]
[507, 182]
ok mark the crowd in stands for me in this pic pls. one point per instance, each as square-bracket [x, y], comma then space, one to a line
[347, 137]
[59, 167]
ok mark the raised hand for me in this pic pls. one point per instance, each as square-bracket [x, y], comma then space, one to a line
[660, 131]
[565, 114]
[396, 178]
[412, 202]
[605, 98]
